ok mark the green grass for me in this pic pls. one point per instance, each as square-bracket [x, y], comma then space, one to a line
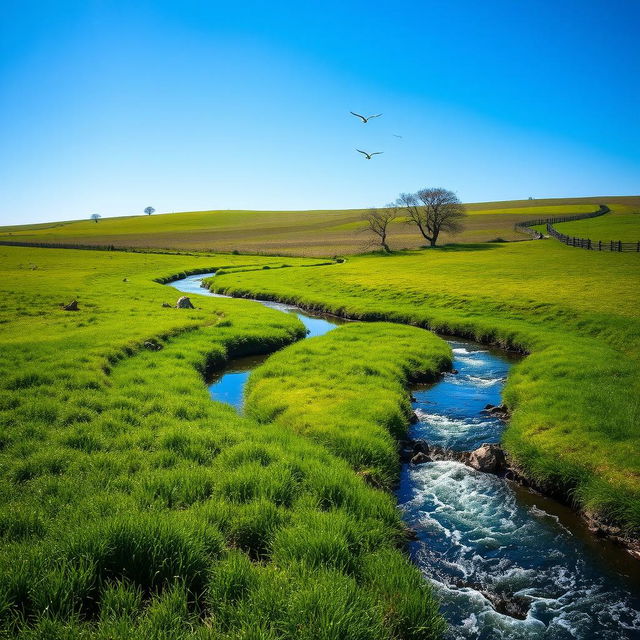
[133, 506]
[347, 390]
[623, 223]
[308, 233]
[576, 398]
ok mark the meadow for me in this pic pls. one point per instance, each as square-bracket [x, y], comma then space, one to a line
[135, 507]
[301, 233]
[623, 224]
[347, 390]
[575, 399]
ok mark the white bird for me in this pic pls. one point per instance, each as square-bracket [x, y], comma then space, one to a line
[369, 155]
[365, 120]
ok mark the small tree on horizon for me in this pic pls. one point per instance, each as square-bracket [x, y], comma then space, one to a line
[378, 221]
[433, 210]
[149, 210]
[95, 217]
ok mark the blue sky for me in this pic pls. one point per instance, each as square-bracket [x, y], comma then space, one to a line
[110, 106]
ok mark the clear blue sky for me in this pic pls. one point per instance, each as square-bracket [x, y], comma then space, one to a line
[109, 106]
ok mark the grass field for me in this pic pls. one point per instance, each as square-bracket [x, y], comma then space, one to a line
[623, 223]
[135, 507]
[353, 399]
[576, 398]
[304, 233]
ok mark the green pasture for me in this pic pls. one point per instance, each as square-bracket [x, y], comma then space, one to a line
[576, 398]
[623, 224]
[135, 507]
[301, 233]
[348, 390]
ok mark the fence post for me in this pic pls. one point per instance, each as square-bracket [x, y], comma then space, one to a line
[638, 248]
[620, 245]
[589, 244]
[611, 246]
[600, 245]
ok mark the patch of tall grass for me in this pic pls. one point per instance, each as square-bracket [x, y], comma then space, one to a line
[347, 390]
[135, 507]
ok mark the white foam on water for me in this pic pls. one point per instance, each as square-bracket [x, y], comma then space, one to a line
[465, 351]
[479, 381]
[470, 362]
[449, 431]
[479, 535]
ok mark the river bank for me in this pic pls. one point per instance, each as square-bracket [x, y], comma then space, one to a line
[477, 615]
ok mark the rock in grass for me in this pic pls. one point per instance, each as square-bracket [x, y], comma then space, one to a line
[184, 303]
[72, 306]
[152, 346]
[166, 305]
[489, 458]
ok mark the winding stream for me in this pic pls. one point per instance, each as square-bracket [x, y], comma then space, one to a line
[507, 563]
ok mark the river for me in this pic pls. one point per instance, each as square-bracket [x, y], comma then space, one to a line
[507, 563]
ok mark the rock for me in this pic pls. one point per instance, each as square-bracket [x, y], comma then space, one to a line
[489, 458]
[413, 398]
[410, 534]
[167, 305]
[420, 446]
[152, 346]
[420, 458]
[371, 479]
[455, 372]
[413, 419]
[184, 303]
[406, 453]
[499, 411]
[125, 279]
[511, 605]
[72, 306]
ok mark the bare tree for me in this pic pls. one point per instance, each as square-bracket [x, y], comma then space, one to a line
[378, 221]
[95, 217]
[432, 211]
[149, 210]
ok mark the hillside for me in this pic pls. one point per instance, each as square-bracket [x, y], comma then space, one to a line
[308, 233]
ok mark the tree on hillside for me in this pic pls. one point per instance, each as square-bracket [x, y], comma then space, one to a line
[433, 210]
[95, 217]
[378, 221]
[149, 210]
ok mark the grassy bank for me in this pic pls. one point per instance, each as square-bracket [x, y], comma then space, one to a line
[311, 233]
[575, 398]
[135, 507]
[347, 390]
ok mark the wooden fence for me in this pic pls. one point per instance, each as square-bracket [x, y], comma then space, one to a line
[582, 243]
[593, 245]
[525, 227]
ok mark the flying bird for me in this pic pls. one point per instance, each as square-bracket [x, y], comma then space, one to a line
[369, 155]
[395, 135]
[364, 120]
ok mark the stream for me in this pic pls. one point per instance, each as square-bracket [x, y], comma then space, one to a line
[506, 563]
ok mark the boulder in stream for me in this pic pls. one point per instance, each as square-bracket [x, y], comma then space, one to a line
[184, 303]
[420, 458]
[489, 458]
